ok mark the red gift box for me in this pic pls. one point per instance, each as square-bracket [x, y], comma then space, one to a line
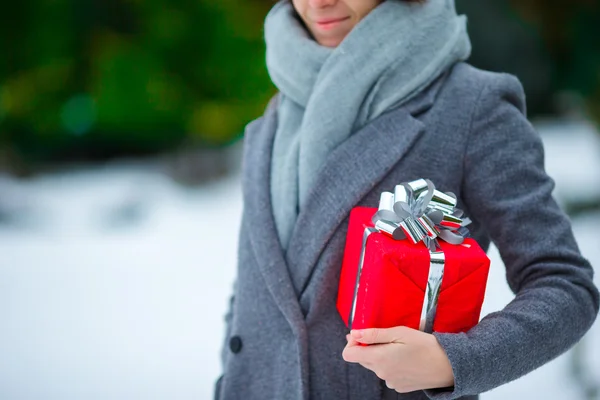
[390, 290]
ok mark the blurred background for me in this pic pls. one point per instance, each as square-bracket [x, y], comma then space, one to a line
[120, 128]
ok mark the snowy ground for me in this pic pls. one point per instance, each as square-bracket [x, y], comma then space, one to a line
[113, 281]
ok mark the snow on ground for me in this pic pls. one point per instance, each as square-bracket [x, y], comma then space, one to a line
[114, 281]
[92, 309]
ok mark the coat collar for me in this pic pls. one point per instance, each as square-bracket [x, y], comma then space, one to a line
[350, 172]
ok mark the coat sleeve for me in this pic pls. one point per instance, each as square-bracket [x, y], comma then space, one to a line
[506, 189]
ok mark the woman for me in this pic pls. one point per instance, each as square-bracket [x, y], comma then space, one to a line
[373, 94]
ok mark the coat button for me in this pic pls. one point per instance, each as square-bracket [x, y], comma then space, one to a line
[235, 344]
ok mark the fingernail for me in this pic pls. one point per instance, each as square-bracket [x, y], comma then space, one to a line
[357, 334]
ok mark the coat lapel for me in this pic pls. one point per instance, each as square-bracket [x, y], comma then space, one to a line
[349, 173]
[260, 221]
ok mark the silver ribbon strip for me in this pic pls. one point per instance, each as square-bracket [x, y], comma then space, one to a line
[418, 212]
[432, 292]
[361, 262]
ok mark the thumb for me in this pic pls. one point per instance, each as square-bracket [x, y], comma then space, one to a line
[380, 335]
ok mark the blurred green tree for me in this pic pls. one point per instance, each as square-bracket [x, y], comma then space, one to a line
[570, 30]
[98, 78]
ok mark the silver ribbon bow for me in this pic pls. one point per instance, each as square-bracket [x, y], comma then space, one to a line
[418, 212]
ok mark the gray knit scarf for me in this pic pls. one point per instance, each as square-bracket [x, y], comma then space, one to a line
[329, 93]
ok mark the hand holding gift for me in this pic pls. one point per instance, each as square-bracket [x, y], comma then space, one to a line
[400, 281]
[406, 359]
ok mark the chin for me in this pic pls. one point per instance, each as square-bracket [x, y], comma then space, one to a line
[330, 42]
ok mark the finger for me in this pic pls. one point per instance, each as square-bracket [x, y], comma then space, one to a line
[356, 353]
[380, 335]
[372, 355]
[351, 341]
[389, 385]
[351, 354]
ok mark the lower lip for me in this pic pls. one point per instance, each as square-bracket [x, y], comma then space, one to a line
[329, 25]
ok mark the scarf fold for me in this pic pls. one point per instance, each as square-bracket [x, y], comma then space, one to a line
[393, 53]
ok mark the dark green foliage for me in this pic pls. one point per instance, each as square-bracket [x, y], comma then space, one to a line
[97, 78]
[570, 31]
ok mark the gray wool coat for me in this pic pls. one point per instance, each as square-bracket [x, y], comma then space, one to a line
[468, 133]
